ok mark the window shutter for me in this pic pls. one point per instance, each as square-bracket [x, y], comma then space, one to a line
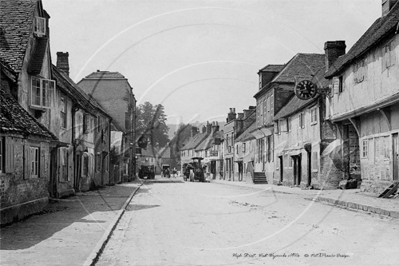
[27, 165]
[42, 162]
[9, 166]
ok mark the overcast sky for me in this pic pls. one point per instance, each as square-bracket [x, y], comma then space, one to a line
[198, 58]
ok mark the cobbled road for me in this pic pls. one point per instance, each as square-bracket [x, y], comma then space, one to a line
[183, 223]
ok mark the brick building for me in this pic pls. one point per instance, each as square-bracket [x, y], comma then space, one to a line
[115, 95]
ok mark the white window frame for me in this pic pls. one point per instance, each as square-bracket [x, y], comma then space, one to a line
[46, 91]
[301, 118]
[365, 148]
[34, 161]
[313, 116]
[40, 26]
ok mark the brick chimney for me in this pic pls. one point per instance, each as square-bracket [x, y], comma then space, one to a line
[239, 126]
[387, 6]
[333, 50]
[231, 115]
[63, 62]
[208, 128]
[194, 131]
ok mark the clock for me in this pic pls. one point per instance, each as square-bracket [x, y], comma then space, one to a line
[305, 90]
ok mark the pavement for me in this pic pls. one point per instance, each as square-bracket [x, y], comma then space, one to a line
[347, 198]
[68, 229]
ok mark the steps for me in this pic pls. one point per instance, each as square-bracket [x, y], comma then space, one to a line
[259, 178]
[389, 190]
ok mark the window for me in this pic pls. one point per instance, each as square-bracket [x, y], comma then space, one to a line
[365, 148]
[63, 112]
[40, 26]
[269, 103]
[283, 125]
[34, 161]
[260, 81]
[301, 119]
[2, 155]
[277, 127]
[313, 116]
[315, 161]
[42, 91]
[86, 124]
[243, 147]
[289, 124]
[98, 123]
[237, 149]
[340, 84]
[359, 71]
[269, 148]
[290, 162]
[388, 56]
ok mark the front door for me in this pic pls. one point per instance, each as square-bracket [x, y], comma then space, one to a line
[297, 170]
[281, 168]
[309, 154]
[395, 149]
[78, 172]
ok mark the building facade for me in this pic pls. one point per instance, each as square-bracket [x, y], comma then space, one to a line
[365, 103]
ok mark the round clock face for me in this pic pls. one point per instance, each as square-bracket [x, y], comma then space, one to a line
[305, 90]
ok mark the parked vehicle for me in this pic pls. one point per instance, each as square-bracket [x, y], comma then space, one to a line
[147, 171]
[197, 169]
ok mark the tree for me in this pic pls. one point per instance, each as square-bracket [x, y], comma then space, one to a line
[151, 122]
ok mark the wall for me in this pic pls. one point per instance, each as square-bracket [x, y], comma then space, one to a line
[378, 84]
[22, 195]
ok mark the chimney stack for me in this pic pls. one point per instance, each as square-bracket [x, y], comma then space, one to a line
[194, 131]
[333, 50]
[208, 128]
[63, 62]
[387, 6]
[239, 124]
[204, 129]
[231, 115]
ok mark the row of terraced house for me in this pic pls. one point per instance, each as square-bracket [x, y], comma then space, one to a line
[57, 137]
[345, 135]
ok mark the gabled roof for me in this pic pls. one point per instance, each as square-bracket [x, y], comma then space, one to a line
[272, 68]
[209, 141]
[74, 91]
[16, 120]
[16, 25]
[105, 75]
[195, 141]
[381, 28]
[246, 135]
[301, 66]
[295, 104]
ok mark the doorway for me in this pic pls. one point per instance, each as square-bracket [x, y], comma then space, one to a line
[280, 158]
[78, 172]
[395, 150]
[309, 155]
[297, 169]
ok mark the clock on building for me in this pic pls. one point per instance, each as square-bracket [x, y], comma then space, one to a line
[305, 90]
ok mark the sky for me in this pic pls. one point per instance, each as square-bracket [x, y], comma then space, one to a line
[198, 58]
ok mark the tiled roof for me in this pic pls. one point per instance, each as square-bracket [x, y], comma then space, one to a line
[105, 75]
[194, 141]
[272, 68]
[209, 141]
[378, 30]
[16, 120]
[293, 106]
[301, 66]
[36, 63]
[73, 90]
[246, 135]
[16, 25]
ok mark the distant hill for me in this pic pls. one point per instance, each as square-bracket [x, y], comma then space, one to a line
[173, 127]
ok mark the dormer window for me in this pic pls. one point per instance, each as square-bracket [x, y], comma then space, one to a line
[42, 93]
[40, 26]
